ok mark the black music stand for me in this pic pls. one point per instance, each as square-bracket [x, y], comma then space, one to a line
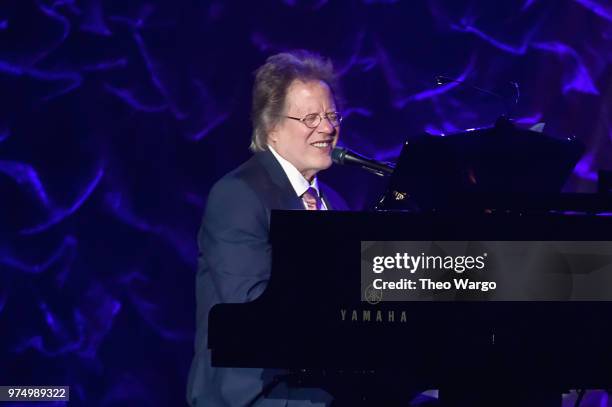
[472, 170]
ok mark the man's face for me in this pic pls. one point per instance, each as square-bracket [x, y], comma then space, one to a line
[309, 150]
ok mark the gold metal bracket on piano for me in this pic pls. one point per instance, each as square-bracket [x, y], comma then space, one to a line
[399, 196]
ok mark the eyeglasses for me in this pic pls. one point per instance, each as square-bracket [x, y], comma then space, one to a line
[313, 120]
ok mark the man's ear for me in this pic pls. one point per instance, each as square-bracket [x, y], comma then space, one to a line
[273, 134]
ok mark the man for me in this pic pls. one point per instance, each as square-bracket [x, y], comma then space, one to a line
[295, 127]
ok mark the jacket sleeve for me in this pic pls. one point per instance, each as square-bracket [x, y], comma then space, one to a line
[233, 241]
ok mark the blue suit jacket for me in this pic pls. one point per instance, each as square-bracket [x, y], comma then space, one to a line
[234, 267]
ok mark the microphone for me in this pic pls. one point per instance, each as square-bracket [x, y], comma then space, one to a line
[344, 156]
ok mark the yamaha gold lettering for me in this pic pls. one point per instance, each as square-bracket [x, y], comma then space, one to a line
[370, 316]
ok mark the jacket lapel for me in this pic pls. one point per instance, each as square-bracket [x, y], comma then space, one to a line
[286, 197]
[323, 192]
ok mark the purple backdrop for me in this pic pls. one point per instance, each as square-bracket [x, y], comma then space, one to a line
[116, 117]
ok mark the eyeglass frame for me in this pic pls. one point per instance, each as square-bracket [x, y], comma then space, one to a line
[321, 116]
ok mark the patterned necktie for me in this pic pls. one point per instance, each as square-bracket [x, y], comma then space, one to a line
[311, 200]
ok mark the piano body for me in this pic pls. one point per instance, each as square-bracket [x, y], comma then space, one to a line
[313, 321]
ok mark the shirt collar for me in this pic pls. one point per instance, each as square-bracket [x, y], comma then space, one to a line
[297, 180]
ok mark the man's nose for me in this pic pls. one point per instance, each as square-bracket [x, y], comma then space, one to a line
[326, 126]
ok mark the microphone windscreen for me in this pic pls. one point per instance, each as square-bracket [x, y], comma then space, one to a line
[338, 154]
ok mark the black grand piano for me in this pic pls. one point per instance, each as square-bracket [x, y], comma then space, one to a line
[316, 321]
